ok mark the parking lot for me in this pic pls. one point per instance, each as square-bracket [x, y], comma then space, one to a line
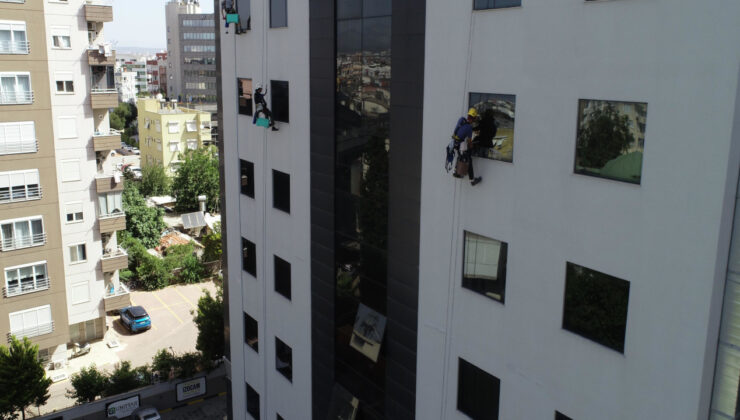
[172, 323]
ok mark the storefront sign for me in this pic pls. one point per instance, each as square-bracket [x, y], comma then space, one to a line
[122, 408]
[190, 389]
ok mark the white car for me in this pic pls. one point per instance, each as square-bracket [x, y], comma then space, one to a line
[146, 413]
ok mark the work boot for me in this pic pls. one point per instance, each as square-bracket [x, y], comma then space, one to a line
[476, 180]
[274, 128]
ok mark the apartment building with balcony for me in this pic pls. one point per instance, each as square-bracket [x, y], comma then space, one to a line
[81, 71]
[166, 130]
[32, 265]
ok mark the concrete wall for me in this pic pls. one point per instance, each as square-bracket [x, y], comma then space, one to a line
[663, 235]
[274, 232]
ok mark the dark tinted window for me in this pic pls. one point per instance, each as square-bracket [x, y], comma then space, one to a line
[279, 417]
[253, 403]
[495, 4]
[251, 332]
[245, 96]
[477, 392]
[561, 416]
[284, 359]
[247, 177]
[278, 13]
[484, 266]
[280, 102]
[596, 306]
[282, 277]
[281, 191]
[494, 131]
[249, 257]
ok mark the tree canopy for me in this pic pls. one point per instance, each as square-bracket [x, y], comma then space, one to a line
[22, 378]
[197, 175]
[142, 222]
[154, 181]
[209, 319]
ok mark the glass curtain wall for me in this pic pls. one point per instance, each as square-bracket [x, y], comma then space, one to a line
[363, 74]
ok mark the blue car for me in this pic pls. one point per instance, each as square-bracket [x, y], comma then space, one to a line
[135, 318]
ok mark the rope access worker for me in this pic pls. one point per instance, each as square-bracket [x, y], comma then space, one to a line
[463, 143]
[261, 106]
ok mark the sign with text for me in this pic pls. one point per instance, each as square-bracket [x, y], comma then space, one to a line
[122, 408]
[190, 389]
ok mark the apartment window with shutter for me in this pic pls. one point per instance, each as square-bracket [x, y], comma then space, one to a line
[74, 212]
[70, 170]
[19, 186]
[31, 322]
[173, 127]
[15, 88]
[22, 233]
[18, 137]
[67, 127]
[26, 278]
[191, 126]
[60, 37]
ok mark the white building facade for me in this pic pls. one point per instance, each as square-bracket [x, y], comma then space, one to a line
[586, 276]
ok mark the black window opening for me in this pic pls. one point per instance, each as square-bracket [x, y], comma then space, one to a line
[245, 96]
[484, 266]
[595, 306]
[278, 13]
[281, 191]
[249, 257]
[495, 4]
[247, 178]
[253, 403]
[477, 392]
[284, 359]
[282, 277]
[561, 416]
[251, 332]
[243, 9]
[279, 417]
[280, 101]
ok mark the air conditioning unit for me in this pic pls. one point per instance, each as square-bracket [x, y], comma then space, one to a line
[58, 365]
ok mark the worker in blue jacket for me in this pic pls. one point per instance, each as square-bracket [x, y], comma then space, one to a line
[463, 137]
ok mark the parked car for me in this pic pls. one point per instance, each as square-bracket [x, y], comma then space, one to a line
[146, 413]
[135, 318]
[134, 170]
[136, 151]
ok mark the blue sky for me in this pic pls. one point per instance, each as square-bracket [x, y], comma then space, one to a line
[140, 23]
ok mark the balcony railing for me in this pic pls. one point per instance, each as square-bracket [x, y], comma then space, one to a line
[10, 244]
[15, 47]
[111, 215]
[30, 193]
[23, 288]
[117, 299]
[41, 329]
[12, 1]
[122, 290]
[114, 260]
[22, 147]
[99, 2]
[102, 91]
[13, 98]
[118, 252]
[110, 132]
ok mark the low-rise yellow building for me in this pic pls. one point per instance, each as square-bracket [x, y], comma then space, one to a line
[167, 130]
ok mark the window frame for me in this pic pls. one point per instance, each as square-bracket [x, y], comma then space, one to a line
[501, 264]
[251, 332]
[39, 331]
[249, 261]
[279, 113]
[58, 33]
[77, 250]
[67, 84]
[494, 6]
[287, 352]
[26, 96]
[283, 277]
[463, 395]
[32, 238]
[22, 144]
[252, 411]
[36, 279]
[249, 189]
[28, 188]
[246, 97]
[74, 214]
[16, 47]
[280, 197]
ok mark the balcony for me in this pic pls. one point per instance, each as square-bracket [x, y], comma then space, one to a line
[29, 192]
[108, 183]
[15, 47]
[117, 299]
[26, 287]
[115, 260]
[98, 11]
[40, 329]
[103, 98]
[17, 98]
[110, 223]
[12, 243]
[109, 140]
[97, 58]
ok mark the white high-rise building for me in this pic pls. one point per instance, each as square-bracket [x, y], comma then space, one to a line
[590, 273]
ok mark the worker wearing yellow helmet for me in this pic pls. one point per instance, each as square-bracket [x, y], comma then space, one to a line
[463, 144]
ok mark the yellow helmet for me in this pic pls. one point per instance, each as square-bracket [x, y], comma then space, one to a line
[472, 113]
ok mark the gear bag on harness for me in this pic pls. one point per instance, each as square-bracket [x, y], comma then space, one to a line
[454, 146]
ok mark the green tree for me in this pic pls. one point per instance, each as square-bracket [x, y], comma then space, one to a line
[142, 222]
[209, 319]
[603, 135]
[87, 384]
[192, 270]
[154, 181]
[212, 244]
[116, 122]
[164, 363]
[124, 378]
[22, 378]
[152, 273]
[197, 175]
